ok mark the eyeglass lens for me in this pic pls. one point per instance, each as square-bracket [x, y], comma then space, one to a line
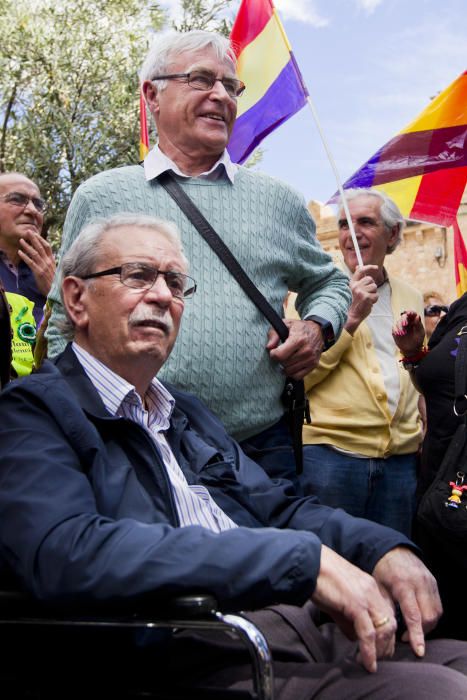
[205, 80]
[22, 200]
[144, 276]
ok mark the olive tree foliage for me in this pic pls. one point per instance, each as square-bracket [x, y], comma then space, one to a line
[69, 93]
[215, 15]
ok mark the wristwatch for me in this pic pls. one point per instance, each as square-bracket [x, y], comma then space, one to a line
[326, 329]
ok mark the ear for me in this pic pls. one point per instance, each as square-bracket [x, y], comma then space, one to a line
[394, 236]
[151, 95]
[74, 291]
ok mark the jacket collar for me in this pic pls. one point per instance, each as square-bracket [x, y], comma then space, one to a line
[81, 385]
[89, 398]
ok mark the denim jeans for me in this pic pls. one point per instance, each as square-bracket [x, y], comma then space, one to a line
[272, 449]
[382, 490]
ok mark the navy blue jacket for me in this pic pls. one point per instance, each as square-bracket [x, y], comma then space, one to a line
[77, 520]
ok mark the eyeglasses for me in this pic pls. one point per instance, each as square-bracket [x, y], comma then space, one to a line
[205, 80]
[143, 277]
[18, 199]
[435, 310]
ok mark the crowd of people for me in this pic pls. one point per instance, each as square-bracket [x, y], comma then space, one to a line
[151, 455]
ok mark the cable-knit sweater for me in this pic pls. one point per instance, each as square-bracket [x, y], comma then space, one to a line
[220, 353]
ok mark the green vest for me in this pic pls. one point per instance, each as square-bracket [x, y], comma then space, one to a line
[23, 328]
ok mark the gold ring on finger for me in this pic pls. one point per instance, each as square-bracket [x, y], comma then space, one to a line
[380, 623]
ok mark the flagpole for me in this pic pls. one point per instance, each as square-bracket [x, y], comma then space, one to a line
[338, 180]
[326, 147]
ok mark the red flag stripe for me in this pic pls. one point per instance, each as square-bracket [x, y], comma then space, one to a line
[252, 17]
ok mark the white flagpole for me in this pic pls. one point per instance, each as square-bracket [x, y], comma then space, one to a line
[339, 185]
[326, 148]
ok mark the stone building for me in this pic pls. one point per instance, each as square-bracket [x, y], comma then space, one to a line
[425, 257]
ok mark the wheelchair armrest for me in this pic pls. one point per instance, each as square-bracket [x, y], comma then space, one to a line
[15, 605]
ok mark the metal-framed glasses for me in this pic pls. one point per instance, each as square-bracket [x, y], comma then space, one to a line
[18, 199]
[205, 80]
[141, 276]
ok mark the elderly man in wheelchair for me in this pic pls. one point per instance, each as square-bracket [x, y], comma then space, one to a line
[119, 493]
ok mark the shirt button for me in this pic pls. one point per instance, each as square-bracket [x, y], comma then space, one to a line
[374, 370]
[368, 345]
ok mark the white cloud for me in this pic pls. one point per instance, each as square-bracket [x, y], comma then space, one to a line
[368, 6]
[301, 11]
[298, 10]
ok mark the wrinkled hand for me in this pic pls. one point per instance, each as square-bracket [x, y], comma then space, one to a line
[356, 603]
[301, 351]
[408, 333]
[364, 295]
[36, 252]
[409, 583]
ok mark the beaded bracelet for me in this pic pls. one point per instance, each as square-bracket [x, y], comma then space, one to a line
[412, 361]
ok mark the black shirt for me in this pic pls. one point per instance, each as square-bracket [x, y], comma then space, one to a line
[435, 378]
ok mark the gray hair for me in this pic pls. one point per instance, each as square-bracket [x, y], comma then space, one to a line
[166, 47]
[85, 253]
[390, 212]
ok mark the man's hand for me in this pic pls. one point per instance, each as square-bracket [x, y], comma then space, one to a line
[301, 351]
[358, 606]
[408, 333]
[364, 295]
[36, 252]
[409, 583]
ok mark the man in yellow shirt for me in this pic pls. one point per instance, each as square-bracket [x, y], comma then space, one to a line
[361, 447]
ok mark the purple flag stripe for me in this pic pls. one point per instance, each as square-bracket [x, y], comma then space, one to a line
[283, 99]
[415, 153]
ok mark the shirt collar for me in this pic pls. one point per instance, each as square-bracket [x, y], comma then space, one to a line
[157, 163]
[8, 264]
[114, 390]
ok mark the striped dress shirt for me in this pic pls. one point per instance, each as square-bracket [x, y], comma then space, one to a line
[194, 503]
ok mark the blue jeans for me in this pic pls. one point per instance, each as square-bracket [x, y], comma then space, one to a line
[382, 490]
[272, 449]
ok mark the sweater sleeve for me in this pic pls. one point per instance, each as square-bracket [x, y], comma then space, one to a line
[323, 289]
[78, 215]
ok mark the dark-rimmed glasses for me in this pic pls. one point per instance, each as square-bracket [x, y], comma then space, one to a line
[205, 80]
[435, 310]
[18, 199]
[141, 276]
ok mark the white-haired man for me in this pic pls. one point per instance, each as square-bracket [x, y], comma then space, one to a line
[224, 354]
[114, 485]
[361, 448]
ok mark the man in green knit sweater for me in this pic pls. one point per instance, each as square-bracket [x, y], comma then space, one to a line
[226, 353]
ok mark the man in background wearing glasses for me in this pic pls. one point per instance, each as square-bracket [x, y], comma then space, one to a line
[27, 264]
[226, 353]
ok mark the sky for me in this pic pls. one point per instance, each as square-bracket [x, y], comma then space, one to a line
[370, 66]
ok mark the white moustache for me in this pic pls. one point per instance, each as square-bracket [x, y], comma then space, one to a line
[151, 318]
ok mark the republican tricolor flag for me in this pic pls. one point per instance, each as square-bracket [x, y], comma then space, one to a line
[460, 260]
[274, 87]
[424, 167]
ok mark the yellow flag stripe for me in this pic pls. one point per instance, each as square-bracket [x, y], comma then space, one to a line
[260, 63]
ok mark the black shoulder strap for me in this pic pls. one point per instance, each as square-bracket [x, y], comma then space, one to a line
[191, 211]
[294, 397]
